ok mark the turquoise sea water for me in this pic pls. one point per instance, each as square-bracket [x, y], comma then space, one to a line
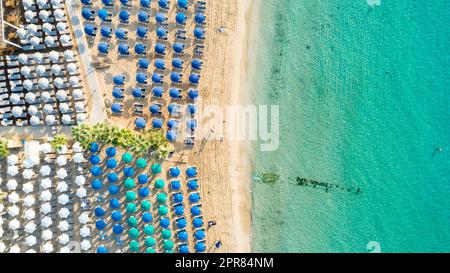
[364, 96]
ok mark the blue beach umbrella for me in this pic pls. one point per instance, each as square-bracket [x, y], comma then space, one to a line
[171, 135]
[192, 109]
[100, 224]
[175, 185]
[143, 63]
[179, 210]
[96, 171]
[114, 203]
[111, 151]
[195, 211]
[173, 108]
[128, 171]
[147, 217]
[103, 47]
[183, 3]
[181, 223]
[124, 49]
[161, 32]
[144, 192]
[199, 32]
[107, 2]
[157, 123]
[99, 211]
[117, 93]
[160, 64]
[96, 184]
[113, 189]
[142, 179]
[172, 123]
[89, 29]
[200, 247]
[160, 17]
[163, 4]
[119, 79]
[197, 222]
[173, 92]
[183, 236]
[191, 172]
[155, 109]
[112, 177]
[194, 78]
[156, 78]
[160, 48]
[94, 159]
[124, 15]
[141, 32]
[105, 31]
[177, 198]
[199, 235]
[111, 163]
[180, 18]
[178, 47]
[143, 16]
[199, 18]
[183, 249]
[120, 33]
[193, 94]
[116, 216]
[139, 48]
[177, 63]
[124, 2]
[93, 147]
[141, 78]
[103, 14]
[137, 93]
[196, 64]
[194, 198]
[116, 108]
[157, 91]
[145, 3]
[191, 124]
[192, 185]
[164, 223]
[102, 249]
[118, 229]
[140, 123]
[174, 172]
[87, 13]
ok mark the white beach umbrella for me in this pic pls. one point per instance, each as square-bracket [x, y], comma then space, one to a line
[29, 201]
[42, 3]
[45, 96]
[61, 95]
[35, 121]
[66, 119]
[79, 106]
[32, 29]
[61, 26]
[27, 85]
[43, 83]
[12, 184]
[47, 247]
[72, 68]
[59, 83]
[22, 58]
[61, 174]
[30, 228]
[80, 180]
[32, 110]
[50, 120]
[12, 159]
[62, 150]
[45, 208]
[30, 162]
[81, 192]
[83, 218]
[45, 170]
[78, 158]
[30, 251]
[65, 39]
[47, 235]
[46, 221]
[30, 240]
[55, 3]
[61, 160]
[77, 94]
[85, 245]
[74, 80]
[62, 187]
[48, 109]
[12, 170]
[45, 196]
[64, 213]
[46, 183]
[49, 41]
[29, 214]
[63, 226]
[1, 234]
[56, 69]
[13, 211]
[14, 224]
[47, 28]
[44, 15]
[2, 247]
[1, 210]
[69, 55]
[53, 56]
[35, 41]
[63, 199]
[38, 57]
[40, 70]
[46, 148]
[59, 14]
[85, 232]
[14, 249]
[28, 187]
[64, 249]
[25, 71]
[28, 173]
[13, 198]
[64, 239]
[14, 98]
[29, 15]
[81, 117]
[76, 147]
[17, 111]
[21, 33]
[27, 4]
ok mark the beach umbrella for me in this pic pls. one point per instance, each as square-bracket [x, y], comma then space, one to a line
[164, 222]
[142, 179]
[140, 123]
[87, 13]
[99, 212]
[12, 170]
[40, 70]
[178, 47]
[183, 4]
[21, 33]
[192, 109]
[45, 196]
[141, 163]
[96, 184]
[141, 31]
[155, 109]
[64, 213]
[74, 81]
[174, 172]
[144, 192]
[78, 158]
[199, 33]
[46, 221]
[29, 201]
[63, 239]
[83, 218]
[159, 184]
[129, 183]
[112, 177]
[149, 230]
[128, 171]
[114, 203]
[163, 210]
[100, 224]
[171, 135]
[62, 187]
[71, 68]
[157, 123]
[183, 249]
[111, 151]
[103, 47]
[196, 64]
[166, 234]
[199, 18]
[143, 63]
[116, 216]
[173, 92]
[14, 249]
[179, 210]
[13, 211]
[175, 185]
[63, 226]
[59, 83]
[194, 78]
[160, 48]
[143, 16]
[193, 94]
[64, 249]
[156, 169]
[133, 233]
[14, 98]
[102, 249]
[191, 171]
[200, 247]
[47, 247]
[96, 171]
[156, 78]
[118, 94]
[127, 158]
[161, 32]
[30, 240]
[150, 250]
[103, 14]
[90, 29]
[150, 241]
[25, 71]
[61, 160]
[134, 246]
[183, 236]
[145, 3]
[35, 41]
[63, 199]
[124, 49]
[12, 184]
[111, 163]
[172, 124]
[14, 224]
[105, 31]
[124, 16]
[86, 2]
[93, 147]
[175, 77]
[113, 189]
[145, 205]
[30, 227]
[85, 245]
[44, 15]
[147, 217]
[49, 40]
[130, 196]
[177, 198]
[28, 85]
[12, 159]
[137, 93]
[141, 77]
[195, 210]
[131, 208]
[107, 2]
[157, 91]
[61, 26]
[181, 223]
[81, 192]
[22, 58]
[194, 198]
[117, 229]
[29, 15]
[80, 180]
[32, 110]
[45, 208]
[177, 63]
[120, 33]
[199, 235]
[77, 148]
[85, 232]
[163, 4]
[168, 245]
[180, 18]
[69, 55]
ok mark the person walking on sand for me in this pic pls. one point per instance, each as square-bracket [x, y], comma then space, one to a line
[211, 223]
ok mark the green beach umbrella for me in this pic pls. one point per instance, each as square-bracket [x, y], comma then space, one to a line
[133, 233]
[129, 183]
[146, 205]
[130, 196]
[166, 234]
[150, 241]
[150, 250]
[127, 157]
[149, 230]
[156, 168]
[161, 197]
[169, 251]
[168, 245]
[134, 246]
[131, 208]
[163, 210]
[159, 183]
[132, 221]
[141, 163]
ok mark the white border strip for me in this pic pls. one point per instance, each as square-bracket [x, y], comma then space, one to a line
[3, 27]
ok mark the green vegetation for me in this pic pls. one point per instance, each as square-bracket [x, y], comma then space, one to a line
[139, 143]
[266, 178]
[58, 142]
[4, 151]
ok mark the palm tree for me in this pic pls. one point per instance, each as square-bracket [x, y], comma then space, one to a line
[82, 134]
[58, 142]
[4, 151]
